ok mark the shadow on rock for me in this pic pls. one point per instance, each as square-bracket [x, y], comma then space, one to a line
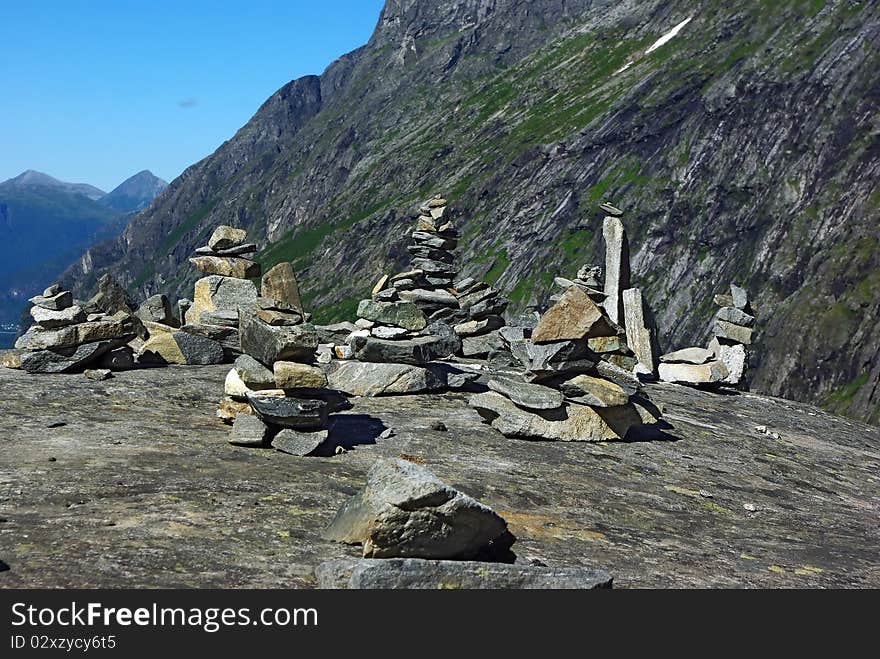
[350, 430]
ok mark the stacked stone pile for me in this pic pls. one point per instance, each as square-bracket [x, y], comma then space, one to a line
[210, 323]
[575, 382]
[275, 394]
[724, 360]
[483, 307]
[68, 336]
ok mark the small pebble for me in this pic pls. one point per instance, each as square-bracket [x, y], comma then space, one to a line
[750, 507]
[56, 423]
[387, 433]
[706, 495]
[53, 459]
[439, 426]
[340, 450]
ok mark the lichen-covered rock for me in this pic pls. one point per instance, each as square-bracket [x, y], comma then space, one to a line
[294, 375]
[216, 293]
[183, 348]
[227, 266]
[402, 314]
[377, 379]
[280, 284]
[269, 344]
[225, 237]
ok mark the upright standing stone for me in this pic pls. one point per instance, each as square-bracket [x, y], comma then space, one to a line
[617, 273]
[638, 334]
[280, 284]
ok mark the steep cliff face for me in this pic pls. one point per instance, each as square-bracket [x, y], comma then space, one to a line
[744, 148]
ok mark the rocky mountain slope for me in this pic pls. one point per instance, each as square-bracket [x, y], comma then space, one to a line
[46, 223]
[135, 193]
[743, 148]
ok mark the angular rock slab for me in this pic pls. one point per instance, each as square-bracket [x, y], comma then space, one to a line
[293, 375]
[301, 444]
[735, 316]
[184, 348]
[731, 332]
[405, 511]
[596, 392]
[216, 293]
[376, 379]
[253, 374]
[638, 332]
[293, 413]
[422, 574]
[269, 344]
[688, 356]
[227, 266]
[51, 319]
[248, 430]
[156, 309]
[531, 396]
[280, 284]
[570, 423]
[65, 360]
[709, 373]
[401, 314]
[617, 266]
[55, 302]
[573, 318]
[417, 351]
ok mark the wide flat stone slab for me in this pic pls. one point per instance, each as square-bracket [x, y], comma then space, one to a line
[146, 491]
[420, 574]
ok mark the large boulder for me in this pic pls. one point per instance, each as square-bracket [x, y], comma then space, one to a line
[269, 344]
[574, 317]
[406, 511]
[401, 314]
[422, 574]
[225, 237]
[375, 379]
[215, 293]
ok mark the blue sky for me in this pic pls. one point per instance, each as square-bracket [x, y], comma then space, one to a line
[95, 91]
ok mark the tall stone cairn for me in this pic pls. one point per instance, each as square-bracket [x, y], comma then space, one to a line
[275, 394]
[210, 322]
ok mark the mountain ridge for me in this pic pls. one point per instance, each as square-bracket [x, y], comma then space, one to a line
[744, 149]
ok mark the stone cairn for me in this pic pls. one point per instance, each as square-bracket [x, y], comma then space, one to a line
[275, 394]
[574, 376]
[723, 362]
[415, 318]
[210, 324]
[69, 336]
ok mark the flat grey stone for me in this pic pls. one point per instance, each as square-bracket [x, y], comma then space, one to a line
[294, 413]
[402, 314]
[734, 333]
[294, 442]
[735, 316]
[417, 351]
[378, 379]
[688, 356]
[56, 302]
[421, 574]
[254, 374]
[65, 360]
[248, 430]
[531, 396]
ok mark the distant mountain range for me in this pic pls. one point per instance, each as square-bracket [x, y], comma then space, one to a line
[45, 224]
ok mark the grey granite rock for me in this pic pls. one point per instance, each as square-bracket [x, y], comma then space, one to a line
[248, 430]
[289, 412]
[270, 344]
[531, 396]
[404, 510]
[422, 574]
[402, 314]
[378, 379]
[294, 442]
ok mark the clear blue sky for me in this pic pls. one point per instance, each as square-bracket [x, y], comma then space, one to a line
[97, 90]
